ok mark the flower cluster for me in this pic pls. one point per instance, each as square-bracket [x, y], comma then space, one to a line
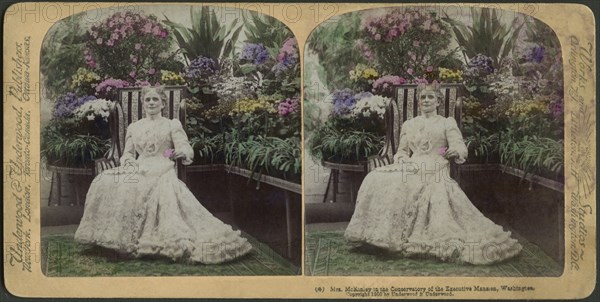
[479, 66]
[471, 107]
[505, 85]
[128, 45]
[557, 108]
[449, 75]
[396, 23]
[171, 78]
[343, 102]
[119, 26]
[223, 108]
[383, 85]
[363, 72]
[108, 88]
[524, 108]
[235, 88]
[200, 69]
[257, 54]
[288, 106]
[84, 79]
[536, 54]
[66, 104]
[368, 104]
[93, 110]
[288, 57]
[248, 106]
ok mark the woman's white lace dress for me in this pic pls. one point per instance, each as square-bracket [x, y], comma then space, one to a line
[142, 208]
[414, 207]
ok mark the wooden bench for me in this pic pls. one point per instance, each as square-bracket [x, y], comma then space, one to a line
[404, 106]
[128, 109]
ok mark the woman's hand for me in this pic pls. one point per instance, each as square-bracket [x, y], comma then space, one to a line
[450, 153]
[178, 154]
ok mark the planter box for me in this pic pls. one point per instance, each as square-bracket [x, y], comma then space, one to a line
[532, 206]
[266, 207]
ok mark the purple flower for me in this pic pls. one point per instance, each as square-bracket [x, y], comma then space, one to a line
[106, 88]
[151, 71]
[343, 102]
[66, 104]
[288, 56]
[364, 94]
[200, 68]
[536, 54]
[479, 66]
[255, 53]
[288, 106]
[382, 84]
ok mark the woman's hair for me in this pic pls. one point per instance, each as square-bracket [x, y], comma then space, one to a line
[160, 90]
[435, 87]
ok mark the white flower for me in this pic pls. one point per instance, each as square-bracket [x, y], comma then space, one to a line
[369, 105]
[91, 117]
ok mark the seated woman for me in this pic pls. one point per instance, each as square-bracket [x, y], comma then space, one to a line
[142, 208]
[413, 206]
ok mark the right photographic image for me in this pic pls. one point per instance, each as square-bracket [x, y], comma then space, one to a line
[433, 141]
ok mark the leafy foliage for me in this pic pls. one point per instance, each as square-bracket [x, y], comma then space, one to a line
[71, 150]
[532, 154]
[207, 37]
[266, 30]
[332, 142]
[487, 35]
[61, 54]
[334, 43]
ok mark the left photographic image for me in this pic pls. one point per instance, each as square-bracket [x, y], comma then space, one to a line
[170, 144]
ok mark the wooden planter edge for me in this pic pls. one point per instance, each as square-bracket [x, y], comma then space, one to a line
[532, 178]
[270, 180]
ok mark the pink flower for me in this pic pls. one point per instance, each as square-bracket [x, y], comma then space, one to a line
[132, 74]
[151, 71]
[169, 153]
[134, 59]
[99, 41]
[114, 36]
[163, 34]
[410, 71]
[442, 150]
[429, 68]
[110, 43]
[147, 28]
[138, 46]
[377, 37]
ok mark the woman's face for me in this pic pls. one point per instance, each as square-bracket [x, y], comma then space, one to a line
[153, 103]
[428, 101]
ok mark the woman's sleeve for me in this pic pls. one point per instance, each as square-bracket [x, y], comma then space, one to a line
[129, 150]
[403, 148]
[455, 140]
[181, 143]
